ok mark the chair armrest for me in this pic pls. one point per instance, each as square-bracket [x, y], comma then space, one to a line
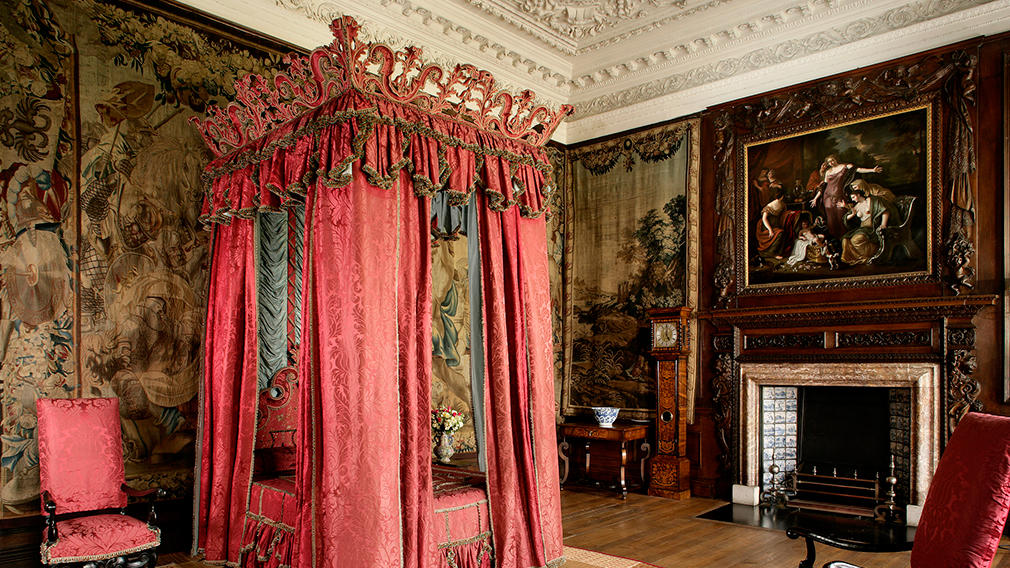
[160, 493]
[50, 507]
[48, 504]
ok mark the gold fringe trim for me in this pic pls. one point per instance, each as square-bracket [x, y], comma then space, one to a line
[482, 536]
[270, 522]
[365, 120]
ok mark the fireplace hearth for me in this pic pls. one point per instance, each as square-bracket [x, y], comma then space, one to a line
[834, 446]
[845, 419]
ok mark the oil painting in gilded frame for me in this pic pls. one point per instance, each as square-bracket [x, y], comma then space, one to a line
[847, 203]
[631, 243]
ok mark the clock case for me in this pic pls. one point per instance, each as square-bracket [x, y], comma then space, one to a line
[669, 468]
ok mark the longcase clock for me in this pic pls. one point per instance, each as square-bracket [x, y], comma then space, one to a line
[669, 469]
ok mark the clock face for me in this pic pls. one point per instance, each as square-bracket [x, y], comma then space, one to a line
[665, 334]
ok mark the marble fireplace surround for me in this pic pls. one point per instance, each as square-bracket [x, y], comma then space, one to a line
[922, 378]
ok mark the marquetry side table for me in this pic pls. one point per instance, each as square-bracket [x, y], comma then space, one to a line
[621, 434]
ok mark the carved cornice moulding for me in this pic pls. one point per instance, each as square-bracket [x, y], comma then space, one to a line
[640, 106]
[909, 23]
[911, 309]
[452, 36]
[563, 19]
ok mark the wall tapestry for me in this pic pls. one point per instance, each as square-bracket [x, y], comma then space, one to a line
[120, 195]
[631, 206]
[450, 334]
[847, 201]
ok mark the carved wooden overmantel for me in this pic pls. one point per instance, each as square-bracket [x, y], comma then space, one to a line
[926, 315]
[913, 330]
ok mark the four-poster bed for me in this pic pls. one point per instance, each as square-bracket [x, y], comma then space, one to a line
[362, 136]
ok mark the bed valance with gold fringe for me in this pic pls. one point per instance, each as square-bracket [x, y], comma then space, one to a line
[355, 104]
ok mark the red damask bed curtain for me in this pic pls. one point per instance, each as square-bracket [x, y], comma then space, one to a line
[364, 150]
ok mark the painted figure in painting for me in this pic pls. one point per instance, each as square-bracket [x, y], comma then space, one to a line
[830, 197]
[774, 227]
[808, 246]
[873, 214]
[767, 185]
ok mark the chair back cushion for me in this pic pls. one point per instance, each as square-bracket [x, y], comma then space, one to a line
[81, 453]
[966, 507]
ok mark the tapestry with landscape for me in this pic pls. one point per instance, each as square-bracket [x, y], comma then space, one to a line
[629, 207]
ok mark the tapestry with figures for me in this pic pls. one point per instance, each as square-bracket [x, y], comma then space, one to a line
[628, 216]
[104, 266]
[450, 335]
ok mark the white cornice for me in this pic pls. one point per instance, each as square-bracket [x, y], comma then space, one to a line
[656, 106]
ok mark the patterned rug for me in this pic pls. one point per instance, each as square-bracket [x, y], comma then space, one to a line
[579, 558]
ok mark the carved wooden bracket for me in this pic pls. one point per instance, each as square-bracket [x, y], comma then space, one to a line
[723, 396]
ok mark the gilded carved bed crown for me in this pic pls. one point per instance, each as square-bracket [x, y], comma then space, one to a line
[465, 93]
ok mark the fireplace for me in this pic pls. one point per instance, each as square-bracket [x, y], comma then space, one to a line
[906, 398]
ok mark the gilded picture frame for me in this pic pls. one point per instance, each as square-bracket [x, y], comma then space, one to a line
[851, 202]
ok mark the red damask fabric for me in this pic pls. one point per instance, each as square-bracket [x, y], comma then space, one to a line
[363, 473]
[277, 418]
[81, 453]
[966, 508]
[230, 394]
[519, 399]
[97, 537]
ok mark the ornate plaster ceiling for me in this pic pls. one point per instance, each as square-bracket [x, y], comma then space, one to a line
[629, 63]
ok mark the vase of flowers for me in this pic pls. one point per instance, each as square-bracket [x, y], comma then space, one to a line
[444, 423]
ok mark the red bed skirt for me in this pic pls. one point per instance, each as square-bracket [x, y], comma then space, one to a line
[269, 524]
[460, 516]
[462, 519]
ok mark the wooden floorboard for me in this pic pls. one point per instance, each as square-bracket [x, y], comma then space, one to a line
[666, 533]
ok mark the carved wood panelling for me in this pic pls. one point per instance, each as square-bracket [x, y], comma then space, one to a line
[961, 336]
[784, 341]
[884, 339]
[722, 342]
[724, 396]
[962, 388]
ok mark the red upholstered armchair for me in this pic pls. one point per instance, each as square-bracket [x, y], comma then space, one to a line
[966, 507]
[83, 494]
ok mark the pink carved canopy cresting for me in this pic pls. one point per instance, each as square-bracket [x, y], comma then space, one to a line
[465, 92]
